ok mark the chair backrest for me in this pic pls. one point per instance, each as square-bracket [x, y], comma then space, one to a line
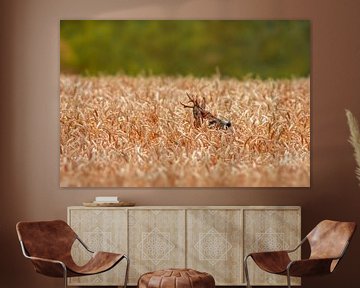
[46, 239]
[329, 239]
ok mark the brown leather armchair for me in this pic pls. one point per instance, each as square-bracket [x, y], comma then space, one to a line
[328, 242]
[48, 245]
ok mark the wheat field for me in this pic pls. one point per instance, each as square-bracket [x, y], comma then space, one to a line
[120, 131]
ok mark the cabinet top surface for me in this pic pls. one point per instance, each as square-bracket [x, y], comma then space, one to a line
[192, 207]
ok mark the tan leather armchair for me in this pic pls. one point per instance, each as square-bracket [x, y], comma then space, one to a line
[328, 242]
[48, 245]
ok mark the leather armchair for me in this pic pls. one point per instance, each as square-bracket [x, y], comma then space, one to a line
[48, 245]
[328, 242]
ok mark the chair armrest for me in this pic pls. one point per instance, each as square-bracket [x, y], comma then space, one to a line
[309, 267]
[45, 260]
[84, 245]
[271, 261]
[298, 246]
[280, 251]
[268, 254]
[48, 267]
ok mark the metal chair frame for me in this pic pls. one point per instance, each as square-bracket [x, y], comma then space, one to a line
[246, 270]
[23, 249]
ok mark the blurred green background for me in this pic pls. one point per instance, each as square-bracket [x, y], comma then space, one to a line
[274, 48]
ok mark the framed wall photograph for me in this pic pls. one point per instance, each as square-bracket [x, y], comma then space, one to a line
[185, 103]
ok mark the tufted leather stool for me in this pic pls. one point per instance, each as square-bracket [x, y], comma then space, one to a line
[176, 278]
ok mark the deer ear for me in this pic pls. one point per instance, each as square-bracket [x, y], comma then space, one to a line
[203, 104]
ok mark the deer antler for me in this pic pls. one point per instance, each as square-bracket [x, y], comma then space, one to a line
[191, 100]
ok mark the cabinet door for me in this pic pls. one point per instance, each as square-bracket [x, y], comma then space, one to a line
[156, 240]
[269, 230]
[214, 244]
[101, 230]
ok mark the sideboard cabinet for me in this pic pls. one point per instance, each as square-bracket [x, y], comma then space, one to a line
[211, 239]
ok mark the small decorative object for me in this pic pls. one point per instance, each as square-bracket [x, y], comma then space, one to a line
[108, 201]
[354, 140]
[120, 204]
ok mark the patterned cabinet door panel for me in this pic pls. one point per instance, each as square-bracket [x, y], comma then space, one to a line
[101, 230]
[214, 244]
[269, 230]
[156, 240]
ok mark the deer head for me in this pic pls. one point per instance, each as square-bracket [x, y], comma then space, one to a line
[200, 114]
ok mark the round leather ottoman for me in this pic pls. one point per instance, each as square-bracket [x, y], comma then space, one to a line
[176, 278]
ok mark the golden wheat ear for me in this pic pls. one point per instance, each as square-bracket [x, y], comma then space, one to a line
[354, 140]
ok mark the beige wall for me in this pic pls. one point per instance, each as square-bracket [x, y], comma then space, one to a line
[29, 111]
